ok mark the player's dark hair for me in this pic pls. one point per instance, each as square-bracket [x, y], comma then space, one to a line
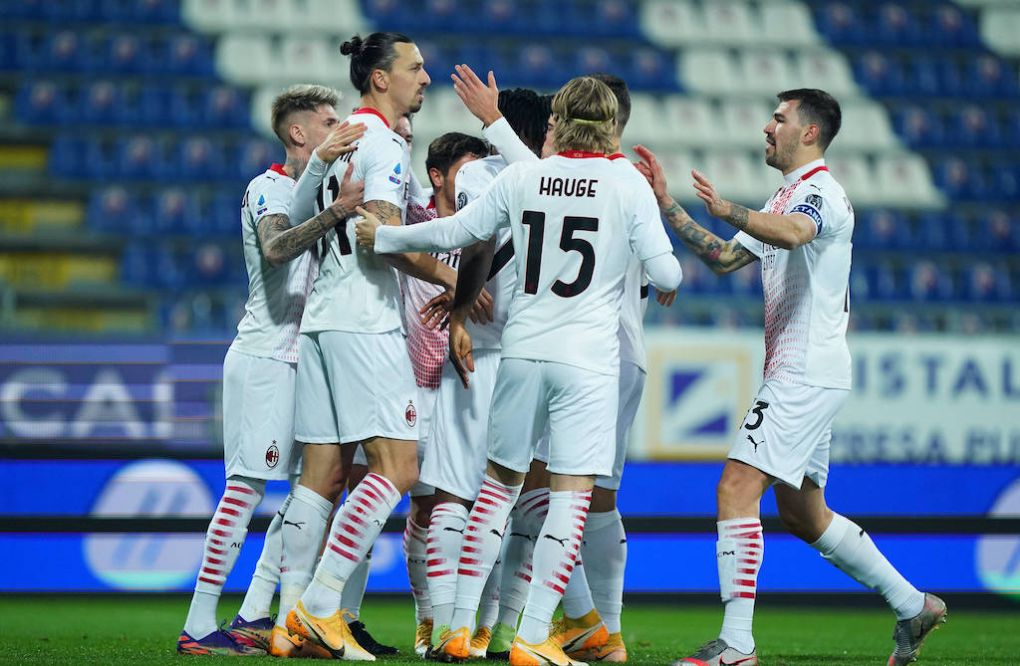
[371, 53]
[818, 107]
[450, 147]
[528, 114]
[619, 88]
[304, 97]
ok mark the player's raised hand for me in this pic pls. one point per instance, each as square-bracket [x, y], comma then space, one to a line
[365, 228]
[352, 194]
[705, 190]
[665, 298]
[480, 99]
[652, 171]
[340, 141]
[460, 350]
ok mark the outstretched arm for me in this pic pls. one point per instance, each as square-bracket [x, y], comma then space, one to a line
[416, 264]
[720, 255]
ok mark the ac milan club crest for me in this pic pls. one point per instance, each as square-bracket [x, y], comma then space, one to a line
[410, 414]
[272, 455]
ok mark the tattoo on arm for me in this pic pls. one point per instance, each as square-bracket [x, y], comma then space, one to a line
[738, 216]
[281, 243]
[719, 255]
[387, 212]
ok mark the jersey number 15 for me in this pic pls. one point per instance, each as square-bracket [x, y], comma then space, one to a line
[535, 221]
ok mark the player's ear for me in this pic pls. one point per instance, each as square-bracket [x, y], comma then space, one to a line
[297, 134]
[381, 79]
[811, 134]
[435, 178]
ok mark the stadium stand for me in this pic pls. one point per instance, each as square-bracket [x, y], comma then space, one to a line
[132, 127]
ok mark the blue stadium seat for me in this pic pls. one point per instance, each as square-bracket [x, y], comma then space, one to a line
[63, 51]
[66, 155]
[111, 210]
[505, 17]
[137, 264]
[975, 127]
[999, 232]
[841, 23]
[919, 127]
[226, 106]
[650, 69]
[1003, 177]
[943, 232]
[929, 76]
[157, 12]
[1011, 129]
[986, 283]
[186, 54]
[66, 11]
[590, 59]
[614, 18]
[175, 213]
[397, 15]
[102, 103]
[209, 264]
[199, 159]
[895, 25]
[224, 213]
[989, 76]
[960, 179]
[139, 158]
[537, 65]
[882, 229]
[42, 103]
[168, 268]
[879, 73]
[126, 53]
[438, 60]
[929, 281]
[949, 26]
[444, 16]
[253, 157]
[885, 283]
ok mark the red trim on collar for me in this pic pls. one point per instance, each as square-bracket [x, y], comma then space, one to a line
[278, 168]
[432, 203]
[579, 154]
[374, 112]
[813, 172]
[617, 156]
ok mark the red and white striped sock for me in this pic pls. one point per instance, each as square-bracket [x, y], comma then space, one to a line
[446, 536]
[555, 553]
[525, 524]
[355, 527]
[738, 554]
[483, 539]
[223, 540]
[416, 558]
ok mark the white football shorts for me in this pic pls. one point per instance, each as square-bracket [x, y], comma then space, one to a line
[352, 387]
[458, 444]
[426, 415]
[787, 431]
[578, 405]
[258, 417]
[632, 384]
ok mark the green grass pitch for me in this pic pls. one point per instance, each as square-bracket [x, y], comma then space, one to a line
[121, 630]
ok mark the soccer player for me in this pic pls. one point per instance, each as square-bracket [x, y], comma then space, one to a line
[575, 218]
[455, 464]
[260, 367]
[355, 384]
[802, 238]
[427, 347]
[604, 548]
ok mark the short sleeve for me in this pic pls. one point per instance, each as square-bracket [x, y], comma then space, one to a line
[384, 169]
[270, 196]
[808, 200]
[648, 237]
[750, 243]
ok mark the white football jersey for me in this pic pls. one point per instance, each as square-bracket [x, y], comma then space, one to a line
[473, 179]
[807, 289]
[635, 298]
[276, 294]
[357, 291]
[575, 219]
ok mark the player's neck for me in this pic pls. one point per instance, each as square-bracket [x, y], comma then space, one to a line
[295, 165]
[443, 207]
[801, 160]
[383, 105]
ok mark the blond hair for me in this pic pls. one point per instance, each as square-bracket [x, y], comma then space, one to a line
[302, 97]
[585, 110]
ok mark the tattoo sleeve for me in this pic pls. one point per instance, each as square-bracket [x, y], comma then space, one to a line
[387, 212]
[281, 242]
[421, 265]
[719, 255]
[738, 216]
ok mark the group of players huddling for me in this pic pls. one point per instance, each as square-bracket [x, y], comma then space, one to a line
[486, 330]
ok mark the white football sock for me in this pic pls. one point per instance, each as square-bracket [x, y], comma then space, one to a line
[445, 539]
[577, 600]
[483, 538]
[259, 598]
[354, 590]
[223, 540]
[604, 550]
[525, 524]
[303, 526]
[738, 556]
[355, 528]
[488, 611]
[555, 553]
[415, 557]
[848, 546]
